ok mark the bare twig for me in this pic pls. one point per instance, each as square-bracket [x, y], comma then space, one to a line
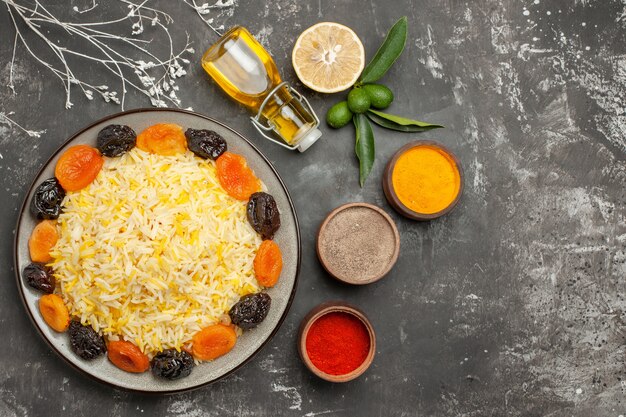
[144, 72]
[205, 8]
[5, 119]
[93, 6]
[11, 81]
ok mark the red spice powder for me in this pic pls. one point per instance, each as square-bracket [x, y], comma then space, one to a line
[337, 343]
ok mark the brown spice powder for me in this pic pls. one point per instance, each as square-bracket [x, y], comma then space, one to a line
[357, 244]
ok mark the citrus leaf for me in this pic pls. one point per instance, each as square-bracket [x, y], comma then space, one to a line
[387, 124]
[399, 123]
[387, 54]
[364, 147]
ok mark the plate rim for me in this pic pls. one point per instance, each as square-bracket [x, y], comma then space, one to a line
[24, 209]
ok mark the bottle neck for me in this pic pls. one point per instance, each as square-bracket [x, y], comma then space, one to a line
[287, 117]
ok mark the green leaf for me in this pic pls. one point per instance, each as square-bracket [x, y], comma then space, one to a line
[387, 124]
[364, 147]
[399, 123]
[387, 54]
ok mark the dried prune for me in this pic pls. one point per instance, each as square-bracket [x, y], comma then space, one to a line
[172, 364]
[116, 140]
[46, 203]
[263, 214]
[205, 143]
[39, 276]
[85, 341]
[250, 310]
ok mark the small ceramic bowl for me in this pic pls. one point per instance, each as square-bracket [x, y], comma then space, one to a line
[391, 195]
[358, 243]
[315, 314]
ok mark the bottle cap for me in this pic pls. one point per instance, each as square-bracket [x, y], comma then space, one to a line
[309, 139]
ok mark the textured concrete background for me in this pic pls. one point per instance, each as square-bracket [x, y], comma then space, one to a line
[512, 305]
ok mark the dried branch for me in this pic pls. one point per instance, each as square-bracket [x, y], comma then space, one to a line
[145, 72]
[93, 6]
[205, 8]
[6, 120]
[11, 84]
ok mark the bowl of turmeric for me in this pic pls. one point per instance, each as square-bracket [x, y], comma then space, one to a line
[423, 180]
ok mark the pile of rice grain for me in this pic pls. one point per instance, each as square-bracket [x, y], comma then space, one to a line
[154, 250]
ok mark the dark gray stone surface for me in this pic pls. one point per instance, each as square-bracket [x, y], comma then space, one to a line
[512, 305]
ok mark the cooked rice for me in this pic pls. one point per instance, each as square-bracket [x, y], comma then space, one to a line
[154, 250]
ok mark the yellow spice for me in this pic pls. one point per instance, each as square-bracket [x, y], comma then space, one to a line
[426, 179]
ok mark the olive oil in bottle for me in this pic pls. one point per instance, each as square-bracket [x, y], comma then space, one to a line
[246, 72]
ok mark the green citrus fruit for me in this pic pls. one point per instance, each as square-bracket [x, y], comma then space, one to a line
[380, 96]
[338, 115]
[358, 100]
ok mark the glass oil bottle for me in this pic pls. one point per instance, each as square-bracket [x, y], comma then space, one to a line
[246, 72]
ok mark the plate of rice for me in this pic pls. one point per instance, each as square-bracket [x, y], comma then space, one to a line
[157, 250]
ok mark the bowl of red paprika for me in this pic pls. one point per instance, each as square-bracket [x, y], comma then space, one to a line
[336, 341]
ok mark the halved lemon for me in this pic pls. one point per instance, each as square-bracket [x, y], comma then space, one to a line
[328, 57]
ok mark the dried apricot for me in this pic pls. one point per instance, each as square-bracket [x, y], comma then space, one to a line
[165, 139]
[78, 167]
[127, 356]
[268, 263]
[213, 342]
[42, 240]
[236, 177]
[54, 312]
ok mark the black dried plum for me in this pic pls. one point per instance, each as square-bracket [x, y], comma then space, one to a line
[46, 203]
[263, 214]
[39, 276]
[116, 140]
[85, 341]
[172, 364]
[250, 310]
[205, 143]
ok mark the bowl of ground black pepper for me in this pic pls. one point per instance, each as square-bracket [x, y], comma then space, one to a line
[336, 341]
[358, 243]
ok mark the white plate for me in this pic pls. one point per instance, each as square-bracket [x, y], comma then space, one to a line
[287, 237]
